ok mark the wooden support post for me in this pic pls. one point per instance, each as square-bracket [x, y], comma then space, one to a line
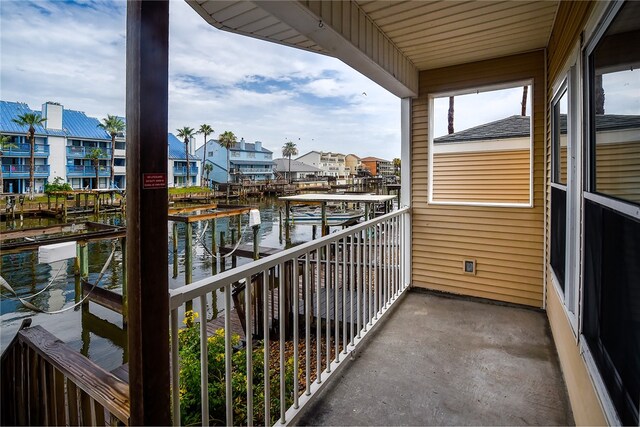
[325, 228]
[125, 299]
[233, 236]
[223, 260]
[287, 232]
[147, 85]
[84, 259]
[313, 232]
[174, 252]
[188, 261]
[239, 226]
[214, 248]
[366, 211]
[48, 201]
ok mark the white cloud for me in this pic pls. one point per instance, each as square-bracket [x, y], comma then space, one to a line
[75, 55]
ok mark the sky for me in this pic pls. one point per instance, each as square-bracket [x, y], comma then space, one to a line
[73, 52]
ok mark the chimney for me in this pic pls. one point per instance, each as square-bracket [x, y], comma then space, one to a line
[192, 145]
[258, 146]
[52, 111]
[241, 144]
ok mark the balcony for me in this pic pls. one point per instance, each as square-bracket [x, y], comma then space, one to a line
[24, 150]
[74, 152]
[255, 171]
[182, 170]
[86, 171]
[120, 152]
[394, 356]
[22, 171]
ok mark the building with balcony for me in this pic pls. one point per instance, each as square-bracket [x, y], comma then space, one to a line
[247, 161]
[331, 164]
[177, 165]
[442, 312]
[377, 166]
[63, 146]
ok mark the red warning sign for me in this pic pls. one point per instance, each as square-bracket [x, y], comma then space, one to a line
[154, 180]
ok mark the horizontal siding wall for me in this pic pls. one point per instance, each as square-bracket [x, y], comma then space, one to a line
[618, 170]
[496, 177]
[507, 243]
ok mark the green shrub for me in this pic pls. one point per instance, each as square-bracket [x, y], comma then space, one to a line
[57, 185]
[190, 404]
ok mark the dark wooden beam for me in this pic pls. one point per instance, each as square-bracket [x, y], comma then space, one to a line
[147, 203]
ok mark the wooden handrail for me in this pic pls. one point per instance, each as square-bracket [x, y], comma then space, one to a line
[46, 382]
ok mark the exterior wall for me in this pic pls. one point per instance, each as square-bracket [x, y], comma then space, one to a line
[371, 166]
[491, 176]
[587, 409]
[507, 243]
[58, 157]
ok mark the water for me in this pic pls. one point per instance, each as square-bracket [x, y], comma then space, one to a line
[98, 332]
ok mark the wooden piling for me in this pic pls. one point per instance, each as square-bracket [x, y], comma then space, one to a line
[125, 300]
[175, 249]
[188, 261]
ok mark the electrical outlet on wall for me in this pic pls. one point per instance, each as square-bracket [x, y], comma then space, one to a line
[469, 266]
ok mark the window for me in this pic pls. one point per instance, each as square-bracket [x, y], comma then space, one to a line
[480, 147]
[611, 320]
[559, 186]
[614, 104]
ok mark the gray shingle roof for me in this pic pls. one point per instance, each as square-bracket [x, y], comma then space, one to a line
[282, 165]
[518, 126]
[511, 127]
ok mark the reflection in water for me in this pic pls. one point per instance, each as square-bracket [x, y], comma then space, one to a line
[98, 332]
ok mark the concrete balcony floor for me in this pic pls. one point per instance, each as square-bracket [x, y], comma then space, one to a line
[448, 361]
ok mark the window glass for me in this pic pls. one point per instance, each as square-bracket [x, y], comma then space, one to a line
[559, 127]
[615, 107]
[481, 147]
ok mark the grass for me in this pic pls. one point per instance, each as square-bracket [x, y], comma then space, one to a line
[189, 190]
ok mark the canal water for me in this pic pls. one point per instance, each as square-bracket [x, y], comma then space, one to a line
[98, 332]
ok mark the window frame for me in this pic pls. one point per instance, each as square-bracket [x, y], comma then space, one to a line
[482, 88]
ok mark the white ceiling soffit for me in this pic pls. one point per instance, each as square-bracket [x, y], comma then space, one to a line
[337, 28]
[435, 34]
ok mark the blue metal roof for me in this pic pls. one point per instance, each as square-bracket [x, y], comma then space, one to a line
[176, 149]
[78, 125]
[10, 111]
[75, 124]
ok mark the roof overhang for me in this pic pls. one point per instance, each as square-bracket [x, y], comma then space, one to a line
[391, 41]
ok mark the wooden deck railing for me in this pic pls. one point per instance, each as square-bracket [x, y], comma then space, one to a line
[46, 382]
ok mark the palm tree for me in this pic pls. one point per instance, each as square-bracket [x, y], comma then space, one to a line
[396, 166]
[113, 125]
[450, 116]
[289, 149]
[31, 120]
[186, 133]
[227, 140]
[204, 130]
[95, 155]
[208, 168]
[5, 144]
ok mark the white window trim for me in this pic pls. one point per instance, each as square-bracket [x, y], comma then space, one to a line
[482, 89]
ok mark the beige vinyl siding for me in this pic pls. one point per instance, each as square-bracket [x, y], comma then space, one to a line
[490, 177]
[585, 404]
[618, 170]
[507, 243]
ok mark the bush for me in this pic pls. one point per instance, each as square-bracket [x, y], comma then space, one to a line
[190, 404]
[57, 185]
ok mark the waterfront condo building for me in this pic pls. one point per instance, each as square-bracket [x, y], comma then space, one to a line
[331, 164]
[63, 145]
[247, 161]
[377, 166]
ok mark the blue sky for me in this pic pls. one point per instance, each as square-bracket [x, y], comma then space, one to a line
[73, 52]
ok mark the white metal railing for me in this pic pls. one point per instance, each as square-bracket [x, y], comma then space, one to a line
[339, 286]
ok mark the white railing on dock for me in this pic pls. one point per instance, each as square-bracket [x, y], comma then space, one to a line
[333, 291]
